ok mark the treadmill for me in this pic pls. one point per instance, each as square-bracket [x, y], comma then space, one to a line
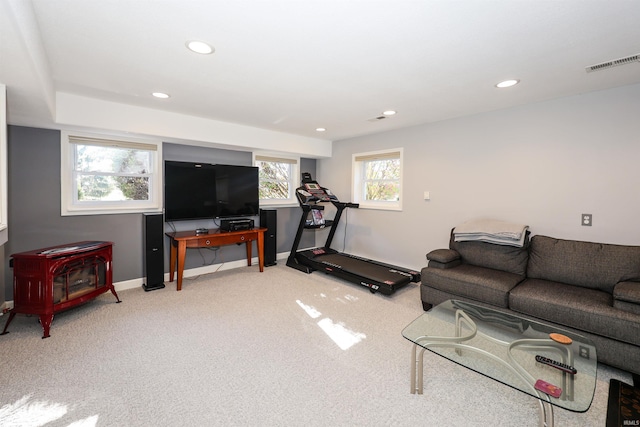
[377, 276]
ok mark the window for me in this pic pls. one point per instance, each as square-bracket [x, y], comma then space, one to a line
[278, 179]
[106, 176]
[3, 164]
[377, 179]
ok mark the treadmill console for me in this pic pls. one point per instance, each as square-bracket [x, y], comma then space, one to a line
[322, 194]
[312, 192]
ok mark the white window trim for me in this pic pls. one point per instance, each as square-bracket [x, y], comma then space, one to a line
[292, 201]
[3, 160]
[69, 208]
[357, 188]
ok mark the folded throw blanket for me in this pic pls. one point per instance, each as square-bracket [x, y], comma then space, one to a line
[491, 231]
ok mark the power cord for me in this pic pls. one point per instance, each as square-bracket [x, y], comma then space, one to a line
[205, 263]
[214, 249]
[344, 236]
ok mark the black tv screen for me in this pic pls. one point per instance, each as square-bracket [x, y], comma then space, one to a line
[206, 191]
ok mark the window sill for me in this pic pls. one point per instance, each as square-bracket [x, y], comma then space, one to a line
[380, 207]
[112, 211]
[279, 205]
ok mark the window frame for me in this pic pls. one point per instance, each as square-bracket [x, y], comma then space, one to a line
[4, 177]
[69, 205]
[358, 181]
[294, 161]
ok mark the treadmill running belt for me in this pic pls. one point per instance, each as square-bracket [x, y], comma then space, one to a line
[363, 268]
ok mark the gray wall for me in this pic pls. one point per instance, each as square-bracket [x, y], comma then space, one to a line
[542, 165]
[34, 208]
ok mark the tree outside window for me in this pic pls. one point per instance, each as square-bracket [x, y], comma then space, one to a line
[382, 180]
[274, 180]
[107, 173]
[277, 177]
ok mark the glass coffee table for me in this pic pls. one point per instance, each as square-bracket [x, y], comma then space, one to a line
[510, 349]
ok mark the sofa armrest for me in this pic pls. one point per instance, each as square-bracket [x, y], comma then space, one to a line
[443, 258]
[626, 296]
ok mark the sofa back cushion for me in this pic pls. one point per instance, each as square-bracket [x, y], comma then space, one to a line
[511, 259]
[591, 265]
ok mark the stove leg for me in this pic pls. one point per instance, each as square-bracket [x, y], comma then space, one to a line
[6, 325]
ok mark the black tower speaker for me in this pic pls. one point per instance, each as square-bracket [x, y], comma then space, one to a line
[153, 262]
[268, 220]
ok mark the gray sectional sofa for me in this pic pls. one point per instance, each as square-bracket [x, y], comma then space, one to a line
[589, 288]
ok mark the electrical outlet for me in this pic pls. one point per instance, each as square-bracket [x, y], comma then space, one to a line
[587, 220]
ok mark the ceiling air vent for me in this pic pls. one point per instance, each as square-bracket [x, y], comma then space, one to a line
[375, 119]
[614, 63]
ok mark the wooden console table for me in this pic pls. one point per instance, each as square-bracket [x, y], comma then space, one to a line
[181, 240]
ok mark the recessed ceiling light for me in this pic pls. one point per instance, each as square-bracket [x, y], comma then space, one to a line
[160, 95]
[389, 113]
[199, 47]
[507, 83]
[320, 129]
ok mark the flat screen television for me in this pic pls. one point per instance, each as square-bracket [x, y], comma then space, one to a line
[205, 191]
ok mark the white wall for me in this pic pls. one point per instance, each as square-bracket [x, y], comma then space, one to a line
[78, 111]
[542, 165]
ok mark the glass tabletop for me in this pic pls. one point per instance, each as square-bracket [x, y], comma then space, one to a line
[504, 346]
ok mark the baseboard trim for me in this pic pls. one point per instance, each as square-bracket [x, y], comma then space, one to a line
[137, 283]
[5, 307]
[198, 271]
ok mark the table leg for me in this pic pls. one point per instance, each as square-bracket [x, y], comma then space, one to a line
[172, 259]
[413, 370]
[182, 253]
[546, 414]
[417, 369]
[417, 385]
[261, 251]
[249, 243]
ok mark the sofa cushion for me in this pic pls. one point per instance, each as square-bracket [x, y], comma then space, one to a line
[587, 264]
[588, 310]
[443, 256]
[626, 296]
[498, 257]
[477, 283]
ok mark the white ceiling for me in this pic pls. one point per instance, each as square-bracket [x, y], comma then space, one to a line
[294, 65]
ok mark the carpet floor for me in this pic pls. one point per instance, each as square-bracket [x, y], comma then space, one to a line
[240, 347]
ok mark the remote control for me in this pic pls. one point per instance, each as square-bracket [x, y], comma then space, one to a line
[565, 368]
[550, 389]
